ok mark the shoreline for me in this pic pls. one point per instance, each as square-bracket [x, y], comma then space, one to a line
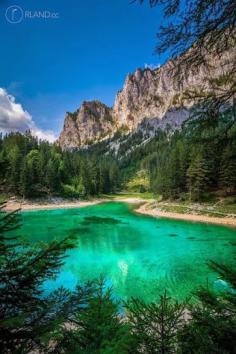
[144, 209]
[224, 221]
[60, 204]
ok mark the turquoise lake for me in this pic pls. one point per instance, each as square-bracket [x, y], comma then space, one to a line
[140, 256]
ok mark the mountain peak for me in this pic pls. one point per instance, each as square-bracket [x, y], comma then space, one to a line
[92, 122]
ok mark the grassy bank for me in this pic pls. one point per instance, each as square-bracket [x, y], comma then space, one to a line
[124, 195]
[219, 209]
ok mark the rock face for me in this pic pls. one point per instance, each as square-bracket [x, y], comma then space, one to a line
[92, 122]
[149, 97]
[153, 94]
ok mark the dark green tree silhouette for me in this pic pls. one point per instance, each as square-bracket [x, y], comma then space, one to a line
[29, 319]
[154, 326]
[212, 321]
[99, 329]
[198, 177]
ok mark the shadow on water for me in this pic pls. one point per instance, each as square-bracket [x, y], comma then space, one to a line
[79, 231]
[100, 220]
[210, 240]
[51, 227]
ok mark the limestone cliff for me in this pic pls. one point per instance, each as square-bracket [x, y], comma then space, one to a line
[154, 94]
[92, 122]
[154, 97]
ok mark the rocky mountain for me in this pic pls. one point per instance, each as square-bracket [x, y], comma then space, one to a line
[149, 99]
[92, 122]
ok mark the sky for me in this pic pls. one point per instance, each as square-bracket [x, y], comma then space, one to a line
[82, 50]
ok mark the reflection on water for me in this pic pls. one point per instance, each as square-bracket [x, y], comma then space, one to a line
[139, 255]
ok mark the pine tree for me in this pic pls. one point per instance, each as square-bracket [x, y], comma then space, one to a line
[198, 177]
[114, 177]
[85, 177]
[29, 318]
[98, 329]
[173, 173]
[228, 169]
[31, 173]
[155, 325]
[15, 160]
[25, 181]
[52, 175]
[105, 183]
[211, 327]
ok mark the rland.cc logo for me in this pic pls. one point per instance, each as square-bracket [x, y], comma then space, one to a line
[14, 14]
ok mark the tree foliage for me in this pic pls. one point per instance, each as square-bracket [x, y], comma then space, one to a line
[192, 162]
[99, 328]
[204, 26]
[155, 325]
[35, 168]
[29, 318]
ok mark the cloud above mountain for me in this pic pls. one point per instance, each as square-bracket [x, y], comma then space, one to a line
[13, 118]
[152, 66]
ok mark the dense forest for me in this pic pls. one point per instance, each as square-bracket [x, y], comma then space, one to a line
[32, 168]
[192, 162]
[189, 163]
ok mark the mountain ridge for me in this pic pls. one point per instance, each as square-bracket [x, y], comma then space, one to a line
[151, 98]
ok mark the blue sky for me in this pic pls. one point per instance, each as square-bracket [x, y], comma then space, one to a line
[51, 65]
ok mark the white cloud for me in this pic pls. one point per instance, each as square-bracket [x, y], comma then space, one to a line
[14, 118]
[152, 66]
